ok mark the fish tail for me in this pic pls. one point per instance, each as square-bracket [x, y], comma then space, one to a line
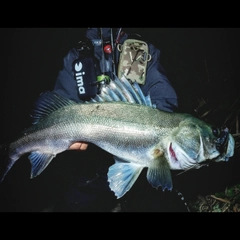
[5, 161]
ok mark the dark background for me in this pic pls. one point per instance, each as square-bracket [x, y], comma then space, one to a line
[199, 62]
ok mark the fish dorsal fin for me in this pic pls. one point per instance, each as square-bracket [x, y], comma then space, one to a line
[47, 103]
[39, 162]
[159, 174]
[120, 89]
[122, 176]
[135, 90]
[124, 85]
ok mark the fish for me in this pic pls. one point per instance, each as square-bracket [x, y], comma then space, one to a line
[125, 123]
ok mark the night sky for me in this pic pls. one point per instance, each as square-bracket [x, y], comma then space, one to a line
[199, 62]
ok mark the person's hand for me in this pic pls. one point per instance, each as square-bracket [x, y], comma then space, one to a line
[80, 146]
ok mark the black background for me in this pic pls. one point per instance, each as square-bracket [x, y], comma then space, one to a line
[198, 62]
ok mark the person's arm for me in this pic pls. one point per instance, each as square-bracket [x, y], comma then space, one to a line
[157, 84]
[66, 86]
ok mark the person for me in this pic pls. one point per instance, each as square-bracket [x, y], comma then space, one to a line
[87, 189]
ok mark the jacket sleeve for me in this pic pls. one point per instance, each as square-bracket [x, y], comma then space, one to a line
[65, 84]
[76, 79]
[157, 84]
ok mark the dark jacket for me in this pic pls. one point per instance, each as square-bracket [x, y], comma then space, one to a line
[157, 84]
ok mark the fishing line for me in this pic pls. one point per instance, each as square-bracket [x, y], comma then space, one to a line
[182, 198]
[102, 50]
[113, 49]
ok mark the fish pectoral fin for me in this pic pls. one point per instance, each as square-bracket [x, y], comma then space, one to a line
[122, 176]
[39, 162]
[159, 174]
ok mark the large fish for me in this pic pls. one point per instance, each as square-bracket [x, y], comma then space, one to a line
[126, 124]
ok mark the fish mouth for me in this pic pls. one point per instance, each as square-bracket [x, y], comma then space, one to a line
[228, 151]
[179, 159]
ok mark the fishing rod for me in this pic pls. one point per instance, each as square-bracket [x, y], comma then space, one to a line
[113, 53]
[108, 56]
[107, 61]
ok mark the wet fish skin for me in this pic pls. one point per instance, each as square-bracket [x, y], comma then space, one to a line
[137, 135]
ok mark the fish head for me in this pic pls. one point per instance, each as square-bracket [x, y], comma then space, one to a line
[194, 143]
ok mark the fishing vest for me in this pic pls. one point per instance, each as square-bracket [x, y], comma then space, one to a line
[98, 62]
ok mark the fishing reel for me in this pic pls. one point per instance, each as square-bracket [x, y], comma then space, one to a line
[101, 81]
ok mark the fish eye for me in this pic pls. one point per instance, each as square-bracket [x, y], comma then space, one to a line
[215, 131]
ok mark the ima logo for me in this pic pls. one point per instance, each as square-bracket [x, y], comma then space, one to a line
[79, 77]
